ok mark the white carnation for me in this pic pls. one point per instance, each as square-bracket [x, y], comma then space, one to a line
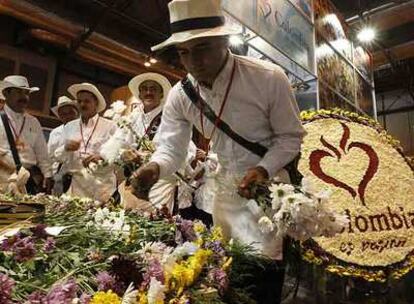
[156, 292]
[265, 225]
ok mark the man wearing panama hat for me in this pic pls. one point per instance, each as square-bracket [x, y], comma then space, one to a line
[21, 134]
[66, 110]
[247, 108]
[83, 138]
[150, 90]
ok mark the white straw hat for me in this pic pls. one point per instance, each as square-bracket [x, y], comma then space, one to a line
[88, 87]
[64, 101]
[191, 19]
[16, 81]
[135, 82]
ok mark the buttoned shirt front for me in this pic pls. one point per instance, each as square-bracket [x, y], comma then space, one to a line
[32, 147]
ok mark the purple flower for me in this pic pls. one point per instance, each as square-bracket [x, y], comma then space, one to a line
[154, 270]
[107, 282]
[219, 277]
[24, 249]
[186, 228]
[49, 245]
[36, 297]
[85, 298]
[39, 231]
[216, 247]
[8, 243]
[6, 288]
[62, 293]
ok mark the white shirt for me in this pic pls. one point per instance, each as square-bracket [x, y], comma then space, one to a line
[99, 185]
[91, 142]
[261, 107]
[56, 140]
[34, 150]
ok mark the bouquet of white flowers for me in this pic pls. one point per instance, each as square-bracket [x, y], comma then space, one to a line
[298, 212]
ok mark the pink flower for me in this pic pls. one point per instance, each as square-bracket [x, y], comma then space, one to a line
[62, 293]
[6, 289]
[24, 249]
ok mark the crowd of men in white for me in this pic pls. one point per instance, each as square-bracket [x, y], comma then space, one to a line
[84, 137]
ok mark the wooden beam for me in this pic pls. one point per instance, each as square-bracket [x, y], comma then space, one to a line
[45, 20]
[399, 52]
[386, 19]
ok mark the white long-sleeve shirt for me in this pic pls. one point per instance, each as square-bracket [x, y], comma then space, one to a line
[56, 140]
[95, 132]
[261, 107]
[33, 150]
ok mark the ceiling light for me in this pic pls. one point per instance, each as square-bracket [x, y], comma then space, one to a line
[153, 60]
[147, 64]
[366, 34]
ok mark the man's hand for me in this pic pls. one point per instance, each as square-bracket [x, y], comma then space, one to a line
[201, 155]
[48, 185]
[131, 156]
[253, 176]
[95, 158]
[143, 179]
[72, 145]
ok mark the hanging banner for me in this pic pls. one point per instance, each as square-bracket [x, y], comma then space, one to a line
[279, 23]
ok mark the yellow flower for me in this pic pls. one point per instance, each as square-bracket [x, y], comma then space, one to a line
[186, 272]
[227, 263]
[142, 298]
[199, 227]
[105, 298]
[217, 234]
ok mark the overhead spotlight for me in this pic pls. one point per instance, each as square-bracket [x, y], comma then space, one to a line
[367, 34]
[147, 64]
[153, 60]
[236, 40]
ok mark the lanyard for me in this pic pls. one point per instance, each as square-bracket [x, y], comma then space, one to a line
[85, 145]
[17, 135]
[223, 103]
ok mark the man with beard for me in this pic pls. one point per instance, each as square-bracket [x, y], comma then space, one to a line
[83, 139]
[66, 110]
[21, 135]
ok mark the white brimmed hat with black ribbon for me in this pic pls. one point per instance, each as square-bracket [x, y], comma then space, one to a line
[191, 19]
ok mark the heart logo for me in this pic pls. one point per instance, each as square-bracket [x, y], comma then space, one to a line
[317, 156]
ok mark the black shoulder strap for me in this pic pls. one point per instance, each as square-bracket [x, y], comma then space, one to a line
[254, 147]
[11, 141]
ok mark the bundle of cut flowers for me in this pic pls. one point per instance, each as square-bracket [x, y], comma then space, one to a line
[84, 252]
[298, 212]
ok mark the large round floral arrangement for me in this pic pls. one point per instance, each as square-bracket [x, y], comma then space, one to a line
[83, 252]
[372, 183]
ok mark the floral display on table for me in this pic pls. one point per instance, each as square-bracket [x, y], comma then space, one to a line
[372, 183]
[84, 252]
